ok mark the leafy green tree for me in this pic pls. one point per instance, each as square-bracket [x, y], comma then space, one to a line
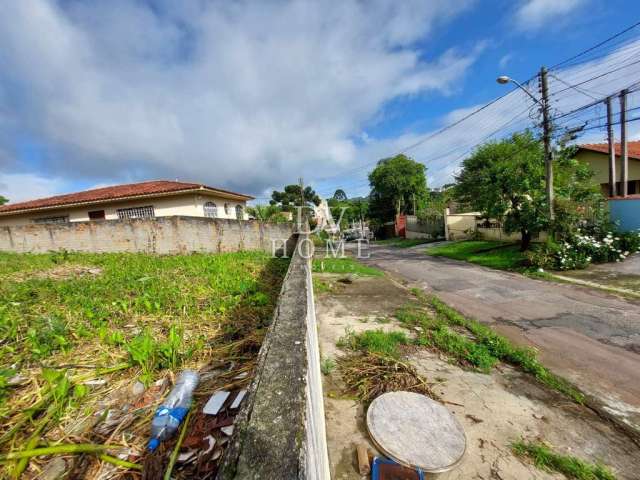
[505, 180]
[292, 197]
[355, 209]
[3, 200]
[340, 195]
[267, 213]
[397, 184]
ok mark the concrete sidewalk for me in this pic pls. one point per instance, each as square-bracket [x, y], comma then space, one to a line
[589, 337]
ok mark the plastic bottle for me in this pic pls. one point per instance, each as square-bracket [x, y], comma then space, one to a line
[170, 414]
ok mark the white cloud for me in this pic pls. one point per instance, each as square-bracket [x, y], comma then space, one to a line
[244, 94]
[18, 187]
[534, 14]
[505, 60]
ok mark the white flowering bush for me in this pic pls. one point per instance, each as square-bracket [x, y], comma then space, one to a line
[583, 248]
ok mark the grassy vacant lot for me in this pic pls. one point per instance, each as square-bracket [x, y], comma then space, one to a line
[503, 256]
[75, 329]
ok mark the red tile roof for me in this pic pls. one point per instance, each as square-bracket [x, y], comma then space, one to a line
[117, 192]
[633, 148]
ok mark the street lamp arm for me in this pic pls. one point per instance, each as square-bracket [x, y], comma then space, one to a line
[504, 79]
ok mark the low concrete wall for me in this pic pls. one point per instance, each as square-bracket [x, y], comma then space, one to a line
[164, 235]
[280, 434]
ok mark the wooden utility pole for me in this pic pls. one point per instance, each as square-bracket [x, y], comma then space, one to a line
[546, 137]
[613, 190]
[624, 167]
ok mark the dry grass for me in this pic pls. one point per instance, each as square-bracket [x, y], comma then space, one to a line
[368, 375]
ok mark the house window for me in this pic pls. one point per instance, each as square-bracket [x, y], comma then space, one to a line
[97, 215]
[59, 219]
[210, 210]
[136, 212]
[227, 210]
[239, 212]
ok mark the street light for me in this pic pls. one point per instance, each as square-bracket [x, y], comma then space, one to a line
[546, 127]
[504, 79]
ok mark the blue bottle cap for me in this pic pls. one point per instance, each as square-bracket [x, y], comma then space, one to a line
[153, 444]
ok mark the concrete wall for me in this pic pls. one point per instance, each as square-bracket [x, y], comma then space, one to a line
[459, 226]
[165, 235]
[186, 204]
[280, 433]
[626, 211]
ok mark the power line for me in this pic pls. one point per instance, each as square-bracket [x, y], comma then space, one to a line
[590, 49]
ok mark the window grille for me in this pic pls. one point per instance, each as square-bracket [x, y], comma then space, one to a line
[239, 212]
[210, 210]
[136, 212]
[227, 210]
[59, 219]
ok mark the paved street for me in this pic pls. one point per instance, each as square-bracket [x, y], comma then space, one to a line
[587, 336]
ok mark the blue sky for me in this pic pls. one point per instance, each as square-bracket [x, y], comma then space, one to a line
[252, 95]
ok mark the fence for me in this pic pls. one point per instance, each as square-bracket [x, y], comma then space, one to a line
[162, 235]
[281, 433]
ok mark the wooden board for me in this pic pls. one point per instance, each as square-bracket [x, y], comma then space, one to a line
[416, 431]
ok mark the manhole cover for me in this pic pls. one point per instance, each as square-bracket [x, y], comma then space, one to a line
[416, 431]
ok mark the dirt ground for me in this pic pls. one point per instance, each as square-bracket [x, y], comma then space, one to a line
[494, 409]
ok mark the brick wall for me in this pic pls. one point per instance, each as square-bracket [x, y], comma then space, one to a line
[165, 235]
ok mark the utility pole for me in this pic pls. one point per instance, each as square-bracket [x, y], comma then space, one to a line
[613, 191]
[414, 203]
[624, 168]
[546, 137]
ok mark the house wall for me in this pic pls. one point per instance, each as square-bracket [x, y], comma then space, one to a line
[164, 235]
[599, 163]
[187, 205]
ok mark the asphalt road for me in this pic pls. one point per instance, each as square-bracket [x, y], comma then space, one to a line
[588, 336]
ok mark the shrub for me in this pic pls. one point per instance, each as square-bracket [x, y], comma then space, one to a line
[582, 248]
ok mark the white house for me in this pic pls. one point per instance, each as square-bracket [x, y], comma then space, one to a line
[160, 198]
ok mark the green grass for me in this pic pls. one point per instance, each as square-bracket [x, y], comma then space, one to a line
[572, 467]
[344, 265]
[143, 314]
[483, 348]
[327, 365]
[375, 341]
[402, 242]
[499, 255]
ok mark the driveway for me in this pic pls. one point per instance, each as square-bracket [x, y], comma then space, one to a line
[590, 337]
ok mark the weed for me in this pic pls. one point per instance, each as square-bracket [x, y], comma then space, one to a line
[374, 341]
[327, 365]
[572, 467]
[344, 265]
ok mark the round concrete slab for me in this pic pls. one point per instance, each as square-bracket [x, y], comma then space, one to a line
[416, 431]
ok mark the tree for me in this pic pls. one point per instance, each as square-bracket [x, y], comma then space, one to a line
[505, 180]
[3, 200]
[340, 195]
[267, 213]
[398, 185]
[292, 197]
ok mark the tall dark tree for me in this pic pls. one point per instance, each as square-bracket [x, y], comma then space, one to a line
[293, 196]
[340, 195]
[398, 185]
